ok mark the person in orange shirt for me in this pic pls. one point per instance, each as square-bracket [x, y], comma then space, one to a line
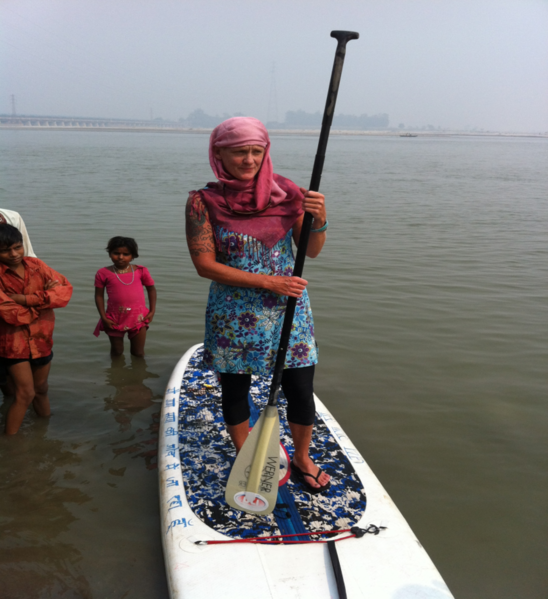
[14, 218]
[29, 290]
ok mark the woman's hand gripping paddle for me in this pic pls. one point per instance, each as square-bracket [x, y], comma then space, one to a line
[253, 482]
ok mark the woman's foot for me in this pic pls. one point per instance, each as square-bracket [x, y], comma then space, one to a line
[310, 475]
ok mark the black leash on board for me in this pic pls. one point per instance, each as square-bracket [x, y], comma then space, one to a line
[337, 570]
[334, 556]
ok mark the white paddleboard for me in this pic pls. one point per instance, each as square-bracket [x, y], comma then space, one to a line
[195, 459]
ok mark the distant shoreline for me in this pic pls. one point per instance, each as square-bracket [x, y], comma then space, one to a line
[276, 132]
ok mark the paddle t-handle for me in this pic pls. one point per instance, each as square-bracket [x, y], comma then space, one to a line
[342, 37]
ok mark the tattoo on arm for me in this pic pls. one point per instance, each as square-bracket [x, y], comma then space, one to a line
[199, 232]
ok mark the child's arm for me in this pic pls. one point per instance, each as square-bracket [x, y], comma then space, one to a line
[56, 294]
[22, 299]
[151, 291]
[19, 309]
[100, 303]
[16, 313]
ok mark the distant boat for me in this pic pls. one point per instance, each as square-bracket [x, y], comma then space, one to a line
[408, 135]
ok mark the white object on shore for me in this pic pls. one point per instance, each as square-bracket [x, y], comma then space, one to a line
[14, 218]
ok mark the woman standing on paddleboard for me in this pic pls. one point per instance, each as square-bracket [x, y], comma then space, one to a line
[239, 231]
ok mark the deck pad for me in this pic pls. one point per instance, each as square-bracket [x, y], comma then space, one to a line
[207, 455]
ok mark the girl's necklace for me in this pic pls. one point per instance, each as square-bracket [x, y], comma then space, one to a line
[123, 272]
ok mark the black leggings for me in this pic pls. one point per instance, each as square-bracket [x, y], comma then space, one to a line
[297, 385]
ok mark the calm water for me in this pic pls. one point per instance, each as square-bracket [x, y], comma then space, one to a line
[430, 302]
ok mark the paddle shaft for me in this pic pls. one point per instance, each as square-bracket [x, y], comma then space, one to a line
[343, 37]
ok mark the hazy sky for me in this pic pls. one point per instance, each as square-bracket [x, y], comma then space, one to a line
[449, 63]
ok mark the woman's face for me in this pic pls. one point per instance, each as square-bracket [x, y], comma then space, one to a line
[242, 163]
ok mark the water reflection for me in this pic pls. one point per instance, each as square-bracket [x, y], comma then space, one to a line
[35, 509]
[131, 397]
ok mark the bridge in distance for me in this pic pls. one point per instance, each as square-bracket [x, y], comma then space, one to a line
[65, 122]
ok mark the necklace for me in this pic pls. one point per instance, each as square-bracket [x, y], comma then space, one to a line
[121, 272]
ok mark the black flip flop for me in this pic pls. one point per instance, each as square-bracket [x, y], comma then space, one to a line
[301, 477]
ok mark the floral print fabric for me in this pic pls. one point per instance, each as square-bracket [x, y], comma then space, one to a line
[243, 325]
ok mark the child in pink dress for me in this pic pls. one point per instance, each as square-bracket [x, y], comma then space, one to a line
[126, 311]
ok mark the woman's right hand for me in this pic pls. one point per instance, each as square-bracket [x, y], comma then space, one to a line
[291, 286]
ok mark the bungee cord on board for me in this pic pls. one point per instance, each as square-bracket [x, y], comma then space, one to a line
[356, 532]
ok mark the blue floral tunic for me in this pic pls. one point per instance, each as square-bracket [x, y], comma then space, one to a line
[243, 325]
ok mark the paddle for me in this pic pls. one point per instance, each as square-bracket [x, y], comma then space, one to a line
[253, 482]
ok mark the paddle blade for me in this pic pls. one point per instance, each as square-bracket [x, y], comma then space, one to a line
[253, 482]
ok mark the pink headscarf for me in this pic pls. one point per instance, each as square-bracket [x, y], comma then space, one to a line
[273, 203]
[237, 132]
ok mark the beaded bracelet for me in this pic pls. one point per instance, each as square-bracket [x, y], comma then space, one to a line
[321, 229]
